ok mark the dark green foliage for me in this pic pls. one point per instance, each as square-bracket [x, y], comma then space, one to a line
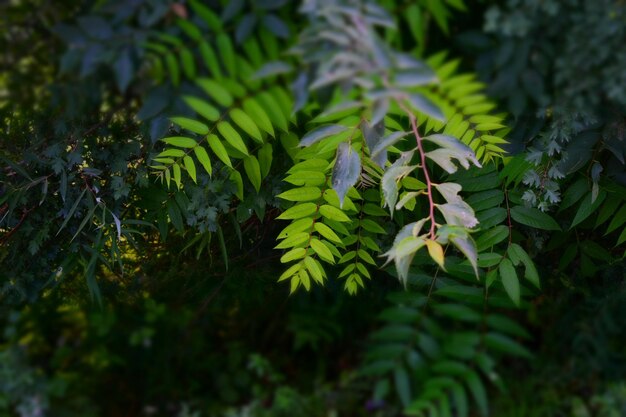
[450, 245]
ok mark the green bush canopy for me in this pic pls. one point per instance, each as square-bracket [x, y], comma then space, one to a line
[314, 208]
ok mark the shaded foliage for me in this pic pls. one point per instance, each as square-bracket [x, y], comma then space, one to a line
[169, 162]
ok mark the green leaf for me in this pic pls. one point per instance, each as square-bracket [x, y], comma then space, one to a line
[273, 110]
[587, 207]
[220, 238]
[618, 220]
[244, 121]
[298, 226]
[310, 165]
[293, 269]
[314, 269]
[301, 194]
[265, 159]
[346, 171]
[296, 239]
[403, 385]
[333, 213]
[372, 227]
[507, 325]
[72, 211]
[460, 401]
[218, 149]
[492, 237]
[530, 273]
[227, 53]
[203, 158]
[258, 114]
[180, 141]
[458, 312]
[203, 108]
[298, 211]
[310, 178]
[232, 137]
[212, 20]
[292, 255]
[363, 255]
[174, 214]
[322, 251]
[303, 277]
[235, 177]
[530, 216]
[216, 92]
[190, 167]
[253, 171]
[505, 344]
[173, 68]
[327, 232]
[190, 29]
[177, 174]
[188, 63]
[510, 280]
[574, 193]
[477, 389]
[176, 153]
[210, 59]
[191, 125]
[320, 133]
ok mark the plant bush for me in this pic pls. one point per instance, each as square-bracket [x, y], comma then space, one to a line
[169, 162]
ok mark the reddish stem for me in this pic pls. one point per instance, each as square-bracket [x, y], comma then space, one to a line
[429, 189]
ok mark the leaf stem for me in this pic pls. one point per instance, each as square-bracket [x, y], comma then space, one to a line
[429, 189]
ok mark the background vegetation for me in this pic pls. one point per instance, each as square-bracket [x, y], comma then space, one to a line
[164, 164]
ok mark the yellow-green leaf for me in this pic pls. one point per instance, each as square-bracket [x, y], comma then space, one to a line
[294, 240]
[327, 232]
[246, 124]
[292, 255]
[203, 108]
[435, 250]
[298, 226]
[301, 194]
[218, 149]
[304, 279]
[322, 251]
[298, 211]
[176, 153]
[190, 167]
[253, 171]
[293, 269]
[232, 137]
[203, 158]
[256, 112]
[216, 92]
[333, 213]
[180, 141]
[314, 269]
[191, 125]
[176, 171]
